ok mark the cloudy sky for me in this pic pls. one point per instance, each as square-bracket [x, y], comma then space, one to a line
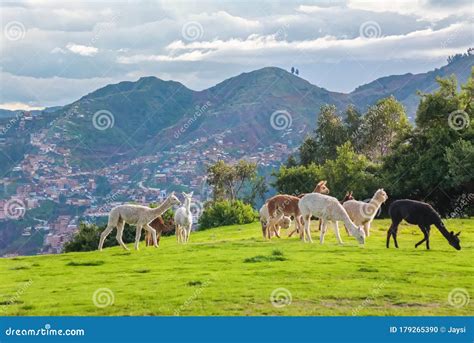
[52, 53]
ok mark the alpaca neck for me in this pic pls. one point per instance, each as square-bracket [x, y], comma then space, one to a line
[375, 202]
[187, 205]
[158, 211]
[347, 221]
[440, 226]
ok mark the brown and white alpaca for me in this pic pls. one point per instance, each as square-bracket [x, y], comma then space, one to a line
[160, 227]
[283, 205]
[284, 223]
[137, 215]
[363, 213]
[326, 208]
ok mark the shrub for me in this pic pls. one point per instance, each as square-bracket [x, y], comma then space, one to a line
[221, 213]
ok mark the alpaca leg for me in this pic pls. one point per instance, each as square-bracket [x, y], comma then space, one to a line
[309, 230]
[188, 232]
[120, 228]
[425, 236]
[306, 229]
[264, 229]
[394, 235]
[336, 231]
[177, 233]
[104, 235]
[158, 236]
[323, 231]
[367, 229]
[277, 231]
[138, 233]
[151, 230]
[428, 229]
[392, 232]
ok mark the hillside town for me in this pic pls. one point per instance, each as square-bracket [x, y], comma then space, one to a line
[47, 174]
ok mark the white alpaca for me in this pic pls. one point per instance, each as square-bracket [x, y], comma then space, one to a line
[137, 215]
[183, 219]
[362, 213]
[284, 222]
[326, 208]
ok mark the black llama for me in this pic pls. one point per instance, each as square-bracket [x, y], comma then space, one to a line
[421, 214]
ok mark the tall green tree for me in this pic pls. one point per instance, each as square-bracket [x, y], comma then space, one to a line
[230, 182]
[329, 134]
[382, 125]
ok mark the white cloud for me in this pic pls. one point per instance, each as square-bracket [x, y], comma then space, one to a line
[13, 106]
[82, 50]
[122, 39]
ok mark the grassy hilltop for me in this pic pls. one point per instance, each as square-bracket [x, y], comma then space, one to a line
[232, 271]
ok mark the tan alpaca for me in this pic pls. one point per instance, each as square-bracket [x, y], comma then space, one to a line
[137, 215]
[284, 223]
[362, 213]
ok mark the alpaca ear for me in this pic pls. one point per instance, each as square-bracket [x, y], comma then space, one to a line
[452, 233]
[191, 194]
[320, 183]
[458, 233]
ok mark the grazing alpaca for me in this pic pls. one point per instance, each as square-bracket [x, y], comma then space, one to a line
[326, 208]
[280, 206]
[284, 223]
[423, 215]
[320, 188]
[137, 215]
[160, 227]
[363, 213]
[183, 219]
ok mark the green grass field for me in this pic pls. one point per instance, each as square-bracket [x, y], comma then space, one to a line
[232, 271]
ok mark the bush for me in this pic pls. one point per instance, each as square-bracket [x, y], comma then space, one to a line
[87, 238]
[221, 213]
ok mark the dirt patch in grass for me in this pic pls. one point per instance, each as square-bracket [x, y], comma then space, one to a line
[142, 271]
[368, 270]
[19, 268]
[277, 255]
[195, 283]
[85, 263]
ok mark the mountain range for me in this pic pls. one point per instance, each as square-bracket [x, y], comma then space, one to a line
[152, 114]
